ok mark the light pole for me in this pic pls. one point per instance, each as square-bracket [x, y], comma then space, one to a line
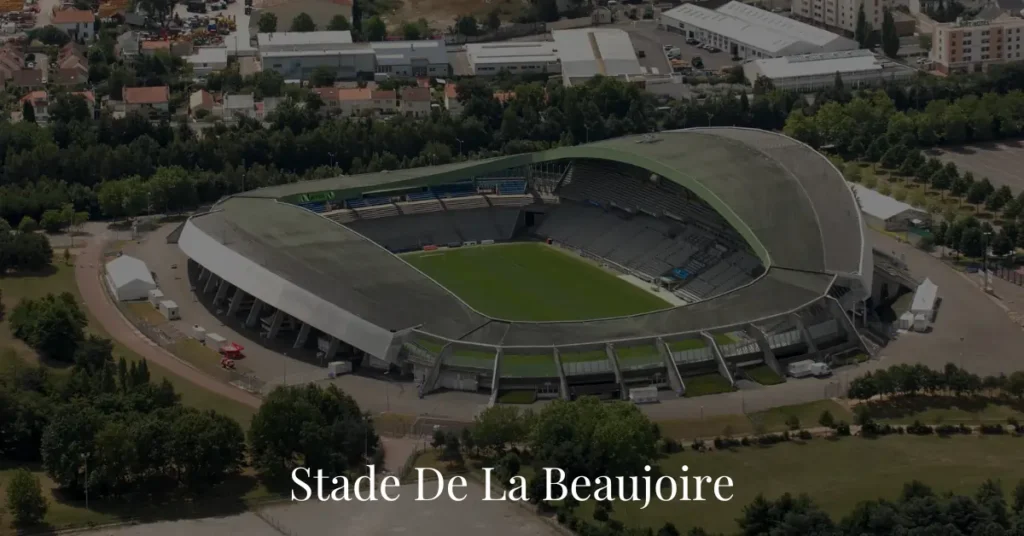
[332, 158]
[984, 262]
[587, 129]
[460, 146]
[710, 115]
[85, 459]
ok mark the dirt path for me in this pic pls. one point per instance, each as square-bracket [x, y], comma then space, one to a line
[89, 276]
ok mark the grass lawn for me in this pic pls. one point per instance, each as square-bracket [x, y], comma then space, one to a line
[706, 384]
[518, 397]
[764, 375]
[62, 279]
[470, 358]
[583, 357]
[854, 470]
[236, 495]
[688, 344]
[944, 410]
[636, 352]
[533, 282]
[528, 365]
[711, 426]
[774, 419]
[430, 346]
[147, 313]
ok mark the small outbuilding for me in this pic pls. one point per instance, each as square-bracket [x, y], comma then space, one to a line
[129, 279]
[170, 310]
[155, 297]
[886, 213]
[925, 298]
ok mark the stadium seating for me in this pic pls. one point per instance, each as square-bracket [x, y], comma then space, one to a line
[315, 206]
[377, 211]
[463, 203]
[510, 200]
[343, 215]
[413, 231]
[420, 207]
[420, 196]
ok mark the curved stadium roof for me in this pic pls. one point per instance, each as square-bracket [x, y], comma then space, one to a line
[788, 202]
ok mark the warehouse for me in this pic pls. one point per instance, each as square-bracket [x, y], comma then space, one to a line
[589, 52]
[885, 213]
[813, 72]
[746, 32]
[129, 279]
[411, 58]
[292, 41]
[513, 56]
[300, 64]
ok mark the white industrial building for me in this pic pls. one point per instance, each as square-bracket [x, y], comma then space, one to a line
[296, 54]
[513, 56]
[884, 212]
[129, 279]
[207, 60]
[411, 58]
[588, 52]
[812, 72]
[748, 32]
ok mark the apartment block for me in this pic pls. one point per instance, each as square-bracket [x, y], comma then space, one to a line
[842, 14]
[972, 46]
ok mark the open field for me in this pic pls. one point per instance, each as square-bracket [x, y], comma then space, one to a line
[999, 161]
[62, 279]
[774, 420]
[857, 469]
[146, 313]
[533, 282]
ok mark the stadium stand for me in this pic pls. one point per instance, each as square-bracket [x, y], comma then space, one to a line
[420, 207]
[413, 231]
[461, 203]
[377, 211]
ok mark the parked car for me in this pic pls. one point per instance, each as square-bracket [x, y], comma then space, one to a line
[641, 54]
[692, 41]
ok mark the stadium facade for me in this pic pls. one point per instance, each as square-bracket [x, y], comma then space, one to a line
[754, 234]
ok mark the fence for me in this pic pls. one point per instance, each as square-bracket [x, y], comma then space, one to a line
[1006, 274]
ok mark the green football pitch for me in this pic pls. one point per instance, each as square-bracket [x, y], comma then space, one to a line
[533, 282]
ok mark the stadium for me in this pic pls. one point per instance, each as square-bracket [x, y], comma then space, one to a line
[640, 263]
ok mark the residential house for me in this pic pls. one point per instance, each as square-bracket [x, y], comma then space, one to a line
[201, 100]
[128, 46]
[11, 60]
[451, 100]
[415, 101]
[69, 77]
[72, 67]
[146, 99]
[40, 103]
[236, 106]
[359, 101]
[267, 107]
[79, 24]
[34, 78]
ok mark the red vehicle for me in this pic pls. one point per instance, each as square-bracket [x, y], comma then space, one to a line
[232, 351]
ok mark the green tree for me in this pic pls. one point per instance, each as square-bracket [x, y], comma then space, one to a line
[52, 221]
[494, 19]
[25, 499]
[28, 112]
[375, 29]
[497, 427]
[890, 37]
[826, 419]
[303, 23]
[160, 10]
[267, 22]
[322, 76]
[972, 242]
[339, 24]
[28, 225]
[852, 172]
[467, 25]
[862, 30]
[793, 422]
[53, 325]
[411, 31]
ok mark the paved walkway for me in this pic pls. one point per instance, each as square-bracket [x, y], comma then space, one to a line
[89, 277]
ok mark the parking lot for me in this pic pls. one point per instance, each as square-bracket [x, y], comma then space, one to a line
[237, 41]
[646, 34]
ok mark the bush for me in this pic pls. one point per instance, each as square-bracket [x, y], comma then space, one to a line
[805, 435]
[745, 441]
[25, 499]
[919, 429]
[698, 445]
[842, 429]
[993, 429]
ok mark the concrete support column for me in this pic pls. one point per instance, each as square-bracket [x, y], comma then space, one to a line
[804, 334]
[236, 301]
[254, 314]
[275, 324]
[300, 341]
[211, 283]
[202, 273]
[332, 349]
[563, 383]
[222, 292]
[766, 350]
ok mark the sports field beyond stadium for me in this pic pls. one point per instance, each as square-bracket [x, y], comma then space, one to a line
[533, 282]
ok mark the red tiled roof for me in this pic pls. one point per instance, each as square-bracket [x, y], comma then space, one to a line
[416, 94]
[33, 96]
[385, 94]
[72, 16]
[451, 91]
[146, 95]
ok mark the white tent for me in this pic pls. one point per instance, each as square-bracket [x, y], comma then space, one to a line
[924, 300]
[129, 278]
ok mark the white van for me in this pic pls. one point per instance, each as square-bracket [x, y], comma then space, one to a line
[807, 367]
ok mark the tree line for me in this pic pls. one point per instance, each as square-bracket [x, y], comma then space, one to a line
[909, 380]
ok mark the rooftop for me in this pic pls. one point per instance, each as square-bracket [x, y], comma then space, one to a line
[303, 39]
[511, 52]
[403, 52]
[416, 94]
[829, 63]
[73, 16]
[146, 95]
[208, 55]
[239, 102]
[591, 51]
[881, 206]
[783, 25]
